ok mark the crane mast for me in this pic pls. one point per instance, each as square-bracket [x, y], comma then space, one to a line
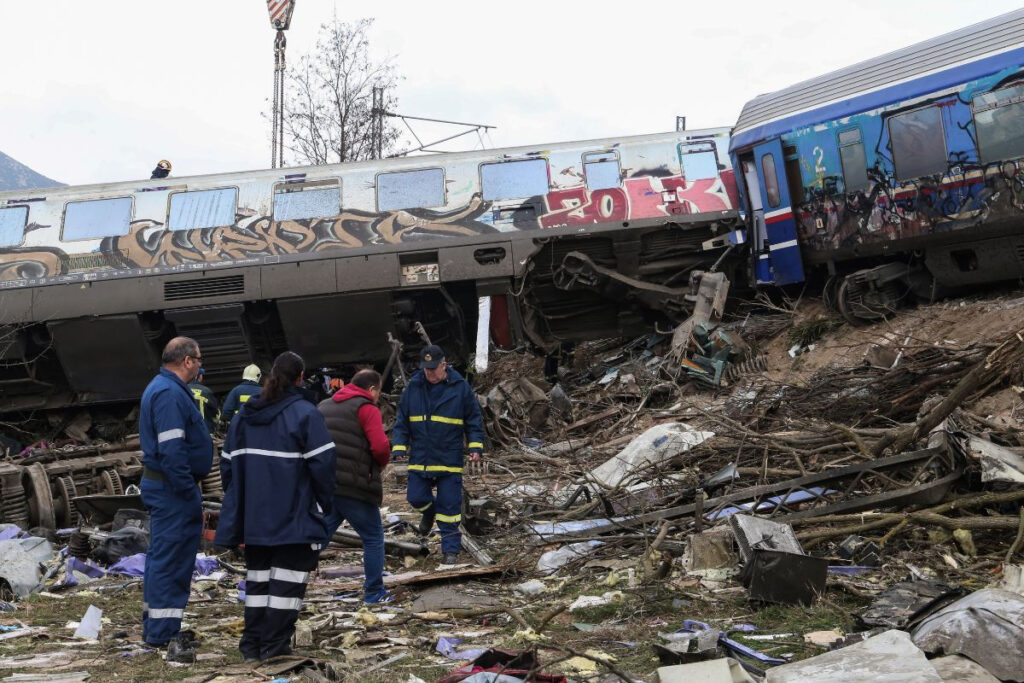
[280, 18]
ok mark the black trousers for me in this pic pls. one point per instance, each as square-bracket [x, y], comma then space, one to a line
[275, 583]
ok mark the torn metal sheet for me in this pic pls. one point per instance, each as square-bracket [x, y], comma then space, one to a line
[658, 444]
[890, 656]
[724, 670]
[20, 560]
[896, 606]
[786, 578]
[987, 626]
[710, 550]
[757, 533]
[997, 463]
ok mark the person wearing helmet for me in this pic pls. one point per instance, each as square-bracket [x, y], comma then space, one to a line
[162, 170]
[249, 387]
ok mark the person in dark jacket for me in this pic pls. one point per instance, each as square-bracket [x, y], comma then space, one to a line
[362, 452]
[176, 453]
[438, 418]
[249, 387]
[162, 170]
[206, 402]
[277, 468]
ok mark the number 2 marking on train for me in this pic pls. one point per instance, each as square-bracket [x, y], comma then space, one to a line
[819, 154]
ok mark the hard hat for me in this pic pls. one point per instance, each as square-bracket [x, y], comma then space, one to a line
[252, 373]
[164, 164]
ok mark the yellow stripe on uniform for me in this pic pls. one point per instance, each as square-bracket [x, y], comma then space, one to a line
[417, 418]
[446, 420]
[475, 444]
[451, 519]
[418, 468]
[399, 447]
[443, 468]
[424, 508]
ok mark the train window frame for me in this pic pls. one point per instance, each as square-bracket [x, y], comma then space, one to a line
[929, 135]
[774, 186]
[710, 148]
[1013, 100]
[170, 208]
[607, 158]
[96, 200]
[859, 142]
[488, 197]
[290, 188]
[24, 224]
[406, 172]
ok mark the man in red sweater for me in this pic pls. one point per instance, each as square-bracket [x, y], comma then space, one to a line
[363, 451]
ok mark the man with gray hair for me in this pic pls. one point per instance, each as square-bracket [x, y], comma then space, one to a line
[176, 453]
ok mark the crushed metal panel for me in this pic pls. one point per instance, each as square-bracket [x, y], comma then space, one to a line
[786, 578]
[889, 656]
[756, 533]
[105, 359]
[997, 463]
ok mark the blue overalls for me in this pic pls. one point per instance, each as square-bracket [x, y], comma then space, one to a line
[176, 453]
[434, 425]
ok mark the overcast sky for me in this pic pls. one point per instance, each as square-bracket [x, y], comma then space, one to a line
[99, 91]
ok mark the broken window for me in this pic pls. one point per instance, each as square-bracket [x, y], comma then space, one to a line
[854, 162]
[97, 218]
[299, 201]
[514, 179]
[771, 181]
[410, 189]
[601, 169]
[202, 209]
[999, 121]
[918, 143]
[699, 160]
[12, 225]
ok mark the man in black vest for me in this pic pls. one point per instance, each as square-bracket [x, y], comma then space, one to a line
[363, 452]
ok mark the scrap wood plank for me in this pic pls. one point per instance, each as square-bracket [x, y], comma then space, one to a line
[426, 578]
[596, 417]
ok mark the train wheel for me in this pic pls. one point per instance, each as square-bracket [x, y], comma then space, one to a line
[66, 494]
[861, 305]
[111, 481]
[40, 498]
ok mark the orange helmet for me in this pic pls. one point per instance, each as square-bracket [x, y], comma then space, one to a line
[164, 164]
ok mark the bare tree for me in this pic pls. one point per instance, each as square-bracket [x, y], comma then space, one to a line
[329, 97]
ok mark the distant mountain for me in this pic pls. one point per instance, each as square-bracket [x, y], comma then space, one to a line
[17, 176]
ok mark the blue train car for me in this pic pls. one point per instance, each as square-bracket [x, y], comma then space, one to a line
[901, 175]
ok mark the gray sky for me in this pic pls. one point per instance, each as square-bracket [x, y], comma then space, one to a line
[99, 91]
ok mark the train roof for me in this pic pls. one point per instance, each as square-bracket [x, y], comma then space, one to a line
[382, 165]
[977, 49]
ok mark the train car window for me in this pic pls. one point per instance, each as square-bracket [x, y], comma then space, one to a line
[601, 170]
[12, 225]
[97, 218]
[202, 209]
[698, 160]
[771, 181]
[303, 201]
[418, 189]
[514, 179]
[918, 143]
[999, 121]
[853, 160]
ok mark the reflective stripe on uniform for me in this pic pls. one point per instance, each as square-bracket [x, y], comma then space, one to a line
[399, 447]
[245, 398]
[258, 575]
[166, 613]
[423, 508]
[273, 602]
[170, 434]
[435, 468]
[475, 444]
[417, 418]
[317, 451]
[289, 575]
[447, 420]
[451, 519]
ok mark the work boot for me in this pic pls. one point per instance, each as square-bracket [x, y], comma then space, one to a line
[427, 522]
[181, 649]
[450, 558]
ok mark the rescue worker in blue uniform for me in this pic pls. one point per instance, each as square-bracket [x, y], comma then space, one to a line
[438, 420]
[176, 453]
[277, 468]
[249, 387]
[207, 403]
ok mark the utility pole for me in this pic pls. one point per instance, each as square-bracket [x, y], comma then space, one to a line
[280, 19]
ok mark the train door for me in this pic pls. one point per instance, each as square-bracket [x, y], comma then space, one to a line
[779, 226]
[762, 264]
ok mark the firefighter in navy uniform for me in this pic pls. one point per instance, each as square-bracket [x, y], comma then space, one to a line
[207, 403]
[438, 419]
[249, 387]
[277, 468]
[176, 453]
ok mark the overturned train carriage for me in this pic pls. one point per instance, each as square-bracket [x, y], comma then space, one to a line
[899, 175]
[571, 241]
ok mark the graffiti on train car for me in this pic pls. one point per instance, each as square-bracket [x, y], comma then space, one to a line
[149, 246]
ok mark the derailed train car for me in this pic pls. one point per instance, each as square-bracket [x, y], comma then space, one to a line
[573, 241]
[900, 176]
